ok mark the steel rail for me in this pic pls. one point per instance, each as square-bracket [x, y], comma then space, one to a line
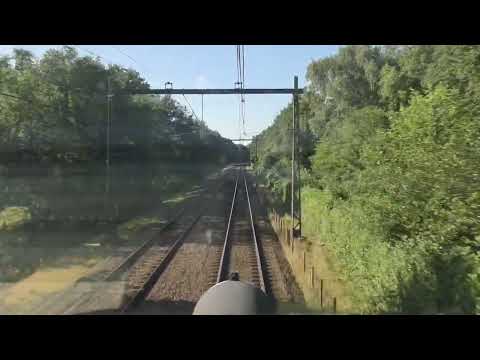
[159, 269]
[255, 240]
[129, 261]
[223, 259]
[133, 257]
[136, 254]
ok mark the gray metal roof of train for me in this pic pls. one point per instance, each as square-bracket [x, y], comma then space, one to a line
[233, 298]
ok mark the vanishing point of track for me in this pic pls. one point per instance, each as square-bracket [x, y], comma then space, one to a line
[256, 263]
[144, 266]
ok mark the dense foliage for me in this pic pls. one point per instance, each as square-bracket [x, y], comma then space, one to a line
[57, 112]
[55, 190]
[392, 186]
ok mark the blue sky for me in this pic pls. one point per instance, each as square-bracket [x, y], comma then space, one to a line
[198, 66]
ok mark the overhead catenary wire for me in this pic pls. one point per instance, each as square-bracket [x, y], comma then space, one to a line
[190, 106]
[242, 68]
[93, 53]
[30, 101]
[44, 77]
[243, 85]
[237, 48]
[131, 58]
[102, 57]
[240, 52]
[239, 72]
[243, 65]
[14, 97]
[124, 53]
[239, 82]
[96, 55]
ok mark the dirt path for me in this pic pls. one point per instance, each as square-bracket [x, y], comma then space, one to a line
[30, 293]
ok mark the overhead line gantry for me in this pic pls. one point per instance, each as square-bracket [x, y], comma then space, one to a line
[234, 91]
[295, 92]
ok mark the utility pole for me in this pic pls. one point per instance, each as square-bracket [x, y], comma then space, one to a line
[107, 160]
[202, 124]
[295, 195]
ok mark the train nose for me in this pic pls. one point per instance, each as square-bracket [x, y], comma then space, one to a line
[234, 297]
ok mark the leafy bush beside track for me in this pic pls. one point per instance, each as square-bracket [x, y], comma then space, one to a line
[393, 185]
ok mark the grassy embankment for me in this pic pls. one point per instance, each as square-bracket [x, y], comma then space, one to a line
[37, 265]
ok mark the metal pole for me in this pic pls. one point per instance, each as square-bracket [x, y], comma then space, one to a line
[202, 129]
[321, 293]
[107, 160]
[304, 262]
[312, 277]
[299, 183]
[294, 125]
[109, 120]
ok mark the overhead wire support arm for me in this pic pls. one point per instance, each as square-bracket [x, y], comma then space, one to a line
[235, 91]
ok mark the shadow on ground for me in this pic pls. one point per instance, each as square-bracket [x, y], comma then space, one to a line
[448, 288]
[152, 308]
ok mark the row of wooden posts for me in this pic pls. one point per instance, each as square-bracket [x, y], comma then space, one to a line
[283, 229]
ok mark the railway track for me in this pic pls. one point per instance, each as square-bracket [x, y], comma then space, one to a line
[137, 254]
[146, 272]
[242, 251]
[142, 268]
[144, 276]
[126, 264]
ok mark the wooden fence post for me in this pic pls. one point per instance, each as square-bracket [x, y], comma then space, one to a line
[334, 305]
[312, 279]
[304, 262]
[321, 293]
